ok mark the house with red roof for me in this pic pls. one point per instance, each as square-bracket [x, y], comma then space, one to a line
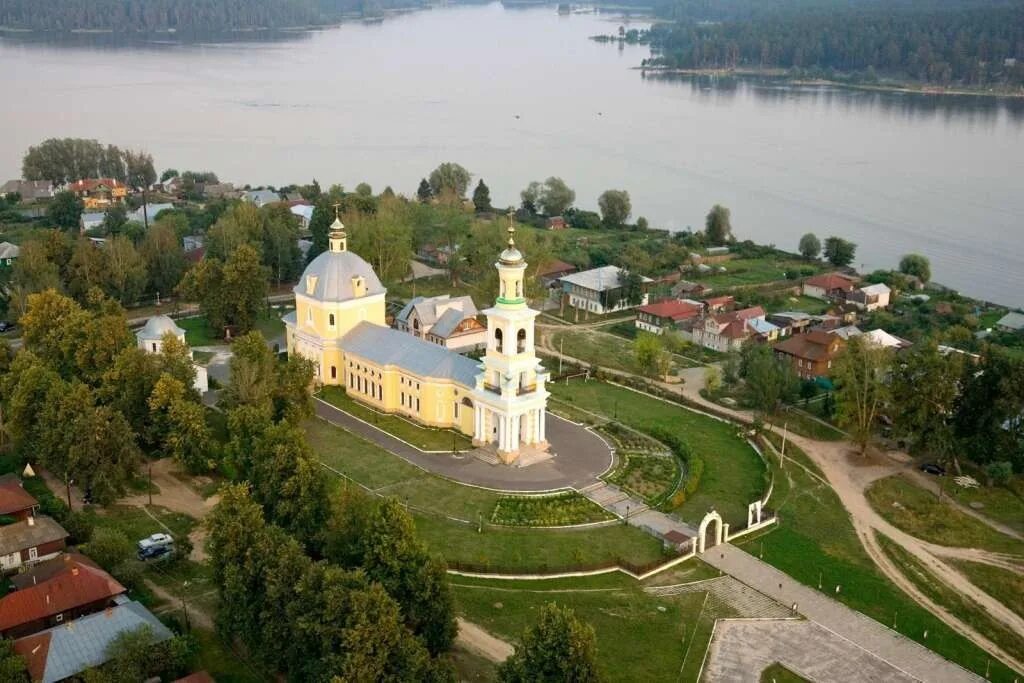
[78, 589]
[15, 501]
[665, 315]
[829, 286]
[726, 332]
[30, 540]
[99, 193]
[719, 304]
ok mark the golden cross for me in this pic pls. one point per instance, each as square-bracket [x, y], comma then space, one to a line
[336, 208]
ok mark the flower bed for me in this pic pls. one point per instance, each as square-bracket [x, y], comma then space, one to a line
[563, 509]
[651, 477]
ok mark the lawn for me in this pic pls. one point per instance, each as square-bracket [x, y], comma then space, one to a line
[601, 350]
[199, 333]
[807, 304]
[639, 637]
[423, 438]
[816, 541]
[651, 477]
[1002, 584]
[561, 509]
[752, 271]
[733, 476]
[776, 673]
[433, 498]
[134, 523]
[917, 512]
[223, 663]
[965, 609]
[1000, 503]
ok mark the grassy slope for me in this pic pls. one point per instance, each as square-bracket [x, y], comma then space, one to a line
[816, 539]
[919, 513]
[1002, 584]
[733, 473]
[1001, 504]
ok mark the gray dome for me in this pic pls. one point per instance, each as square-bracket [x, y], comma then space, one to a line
[333, 271]
[157, 326]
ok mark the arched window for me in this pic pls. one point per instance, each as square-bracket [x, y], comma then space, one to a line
[416, 326]
[521, 341]
[331, 320]
[334, 372]
[497, 340]
[519, 288]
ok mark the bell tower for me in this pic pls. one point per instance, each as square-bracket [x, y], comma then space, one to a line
[510, 393]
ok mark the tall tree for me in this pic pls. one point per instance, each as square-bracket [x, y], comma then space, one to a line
[530, 197]
[139, 171]
[482, 197]
[615, 207]
[556, 197]
[164, 257]
[916, 265]
[810, 246]
[449, 177]
[65, 210]
[384, 238]
[424, 193]
[718, 225]
[127, 269]
[559, 647]
[768, 380]
[651, 355]
[839, 252]
[860, 373]
[925, 385]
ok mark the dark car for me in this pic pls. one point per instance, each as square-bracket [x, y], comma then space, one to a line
[932, 468]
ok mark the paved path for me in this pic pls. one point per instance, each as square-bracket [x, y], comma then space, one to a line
[635, 511]
[580, 456]
[741, 649]
[900, 652]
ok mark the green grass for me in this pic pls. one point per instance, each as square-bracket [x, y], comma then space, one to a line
[537, 550]
[1001, 504]
[424, 438]
[651, 477]
[776, 673]
[807, 426]
[1002, 584]
[807, 304]
[562, 509]
[202, 357]
[816, 540]
[639, 637]
[958, 605]
[134, 523]
[754, 271]
[223, 663]
[918, 512]
[733, 473]
[602, 350]
[198, 332]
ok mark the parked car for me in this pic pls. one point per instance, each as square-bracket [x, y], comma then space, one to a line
[932, 468]
[155, 546]
[6, 326]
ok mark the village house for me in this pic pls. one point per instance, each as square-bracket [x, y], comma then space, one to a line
[99, 193]
[599, 290]
[304, 212]
[552, 270]
[68, 649]
[1011, 322]
[665, 315]
[556, 223]
[261, 198]
[879, 337]
[828, 287]
[79, 588]
[790, 322]
[30, 191]
[871, 297]
[8, 254]
[31, 540]
[811, 354]
[443, 320]
[729, 331]
[218, 190]
[719, 304]
[684, 289]
[15, 501]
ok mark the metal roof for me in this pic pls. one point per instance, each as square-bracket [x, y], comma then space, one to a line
[20, 535]
[877, 288]
[1012, 320]
[8, 250]
[598, 279]
[387, 346]
[447, 323]
[332, 273]
[157, 326]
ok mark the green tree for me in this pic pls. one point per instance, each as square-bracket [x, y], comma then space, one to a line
[810, 246]
[718, 225]
[164, 257]
[241, 224]
[87, 270]
[925, 384]
[768, 380]
[530, 198]
[233, 293]
[384, 238]
[252, 374]
[136, 656]
[109, 548]
[449, 177]
[482, 197]
[65, 211]
[555, 197]
[916, 265]
[615, 207]
[168, 174]
[127, 269]
[64, 160]
[114, 219]
[839, 252]
[860, 373]
[423, 192]
[364, 190]
[986, 420]
[139, 170]
[559, 647]
[651, 355]
[12, 665]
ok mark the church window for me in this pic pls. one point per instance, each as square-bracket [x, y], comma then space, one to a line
[331, 320]
[309, 315]
[519, 288]
[380, 392]
[403, 399]
[417, 404]
[334, 372]
[456, 410]
[521, 341]
[497, 340]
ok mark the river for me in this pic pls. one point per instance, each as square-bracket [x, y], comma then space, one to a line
[521, 94]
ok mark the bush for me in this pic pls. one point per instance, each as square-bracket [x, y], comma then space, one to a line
[129, 573]
[109, 548]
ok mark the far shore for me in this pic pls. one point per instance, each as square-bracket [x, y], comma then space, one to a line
[781, 75]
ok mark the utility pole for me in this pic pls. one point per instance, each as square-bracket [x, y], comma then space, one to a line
[67, 486]
[150, 487]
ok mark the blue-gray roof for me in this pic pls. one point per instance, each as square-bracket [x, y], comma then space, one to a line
[332, 273]
[82, 644]
[447, 323]
[387, 346]
[157, 326]
[262, 197]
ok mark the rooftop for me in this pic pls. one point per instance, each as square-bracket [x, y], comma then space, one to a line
[598, 279]
[878, 288]
[830, 281]
[813, 346]
[66, 650]
[8, 250]
[329, 277]
[387, 346]
[555, 267]
[28, 533]
[13, 496]
[1012, 320]
[46, 570]
[157, 326]
[672, 308]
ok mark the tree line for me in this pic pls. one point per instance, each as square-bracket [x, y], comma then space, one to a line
[973, 46]
[64, 160]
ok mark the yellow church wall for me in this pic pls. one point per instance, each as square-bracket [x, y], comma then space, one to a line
[315, 317]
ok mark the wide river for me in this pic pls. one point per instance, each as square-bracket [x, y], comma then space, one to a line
[519, 95]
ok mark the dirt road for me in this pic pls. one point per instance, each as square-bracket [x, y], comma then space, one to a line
[476, 639]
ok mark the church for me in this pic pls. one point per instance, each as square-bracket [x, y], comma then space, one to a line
[339, 323]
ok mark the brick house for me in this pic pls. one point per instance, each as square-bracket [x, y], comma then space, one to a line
[665, 315]
[79, 588]
[728, 331]
[15, 501]
[871, 297]
[31, 540]
[812, 353]
[828, 287]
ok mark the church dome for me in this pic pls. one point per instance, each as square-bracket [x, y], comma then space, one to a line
[330, 277]
[157, 326]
